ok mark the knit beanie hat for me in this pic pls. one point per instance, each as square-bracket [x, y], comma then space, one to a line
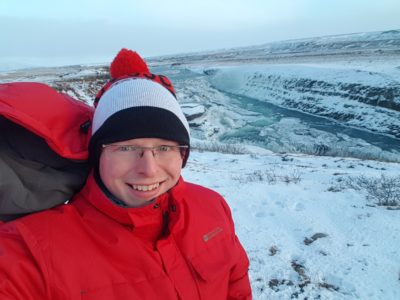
[136, 104]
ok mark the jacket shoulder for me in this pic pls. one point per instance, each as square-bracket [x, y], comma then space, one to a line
[206, 204]
[41, 224]
[201, 191]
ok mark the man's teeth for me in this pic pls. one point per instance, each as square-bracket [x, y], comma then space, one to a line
[145, 188]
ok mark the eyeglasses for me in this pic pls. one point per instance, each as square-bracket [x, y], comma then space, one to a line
[162, 152]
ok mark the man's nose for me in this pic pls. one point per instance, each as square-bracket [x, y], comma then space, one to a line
[147, 164]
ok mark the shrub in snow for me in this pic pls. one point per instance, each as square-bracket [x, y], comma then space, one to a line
[270, 176]
[219, 147]
[384, 190]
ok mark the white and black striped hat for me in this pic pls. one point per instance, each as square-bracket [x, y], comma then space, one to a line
[136, 104]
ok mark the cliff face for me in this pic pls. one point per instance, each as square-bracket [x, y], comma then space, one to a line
[386, 97]
[368, 100]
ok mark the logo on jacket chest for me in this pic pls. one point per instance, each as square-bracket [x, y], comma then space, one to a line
[212, 234]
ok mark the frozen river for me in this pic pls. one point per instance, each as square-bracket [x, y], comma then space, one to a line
[286, 130]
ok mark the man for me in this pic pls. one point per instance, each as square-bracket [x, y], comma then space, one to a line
[136, 230]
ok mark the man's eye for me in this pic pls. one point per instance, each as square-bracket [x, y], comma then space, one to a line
[126, 148]
[164, 148]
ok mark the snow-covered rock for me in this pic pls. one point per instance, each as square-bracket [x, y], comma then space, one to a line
[192, 111]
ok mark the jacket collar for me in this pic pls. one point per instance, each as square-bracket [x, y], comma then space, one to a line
[145, 218]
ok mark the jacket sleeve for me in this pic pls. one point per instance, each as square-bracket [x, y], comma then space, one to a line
[239, 283]
[20, 274]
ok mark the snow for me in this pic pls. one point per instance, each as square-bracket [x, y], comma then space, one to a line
[357, 255]
[333, 74]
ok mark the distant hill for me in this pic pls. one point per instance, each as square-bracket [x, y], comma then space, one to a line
[367, 43]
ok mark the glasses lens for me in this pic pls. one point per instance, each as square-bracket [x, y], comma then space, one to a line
[133, 153]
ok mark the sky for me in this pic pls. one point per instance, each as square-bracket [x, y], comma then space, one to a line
[95, 30]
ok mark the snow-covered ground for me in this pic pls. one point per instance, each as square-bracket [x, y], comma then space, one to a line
[307, 233]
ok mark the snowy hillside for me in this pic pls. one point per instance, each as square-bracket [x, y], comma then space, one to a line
[319, 49]
[314, 185]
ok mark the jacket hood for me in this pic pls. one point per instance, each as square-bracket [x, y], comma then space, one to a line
[43, 147]
[65, 129]
[33, 177]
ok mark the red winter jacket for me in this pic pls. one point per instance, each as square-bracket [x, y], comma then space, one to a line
[181, 247]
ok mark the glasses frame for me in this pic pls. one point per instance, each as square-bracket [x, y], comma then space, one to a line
[153, 149]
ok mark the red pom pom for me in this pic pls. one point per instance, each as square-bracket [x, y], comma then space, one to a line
[127, 62]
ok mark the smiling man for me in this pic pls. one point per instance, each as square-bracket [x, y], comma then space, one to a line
[136, 230]
[137, 172]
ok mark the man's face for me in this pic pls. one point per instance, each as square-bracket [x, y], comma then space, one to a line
[135, 176]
